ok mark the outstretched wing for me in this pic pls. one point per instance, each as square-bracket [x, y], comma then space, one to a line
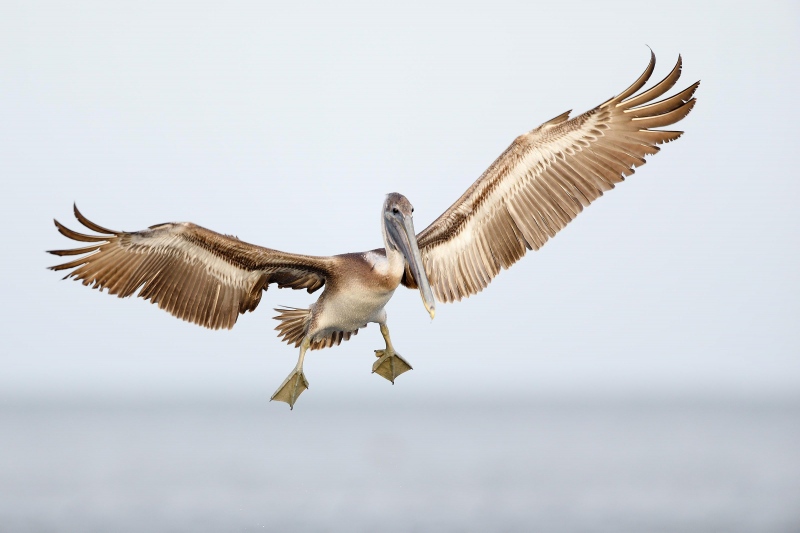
[542, 181]
[193, 273]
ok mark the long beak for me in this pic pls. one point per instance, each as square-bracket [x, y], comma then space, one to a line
[409, 248]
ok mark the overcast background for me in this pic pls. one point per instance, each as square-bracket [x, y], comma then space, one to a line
[287, 124]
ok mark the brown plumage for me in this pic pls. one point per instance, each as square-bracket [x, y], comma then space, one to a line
[191, 272]
[542, 181]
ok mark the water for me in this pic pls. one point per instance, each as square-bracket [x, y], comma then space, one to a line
[523, 465]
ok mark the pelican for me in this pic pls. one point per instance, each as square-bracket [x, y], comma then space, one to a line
[539, 184]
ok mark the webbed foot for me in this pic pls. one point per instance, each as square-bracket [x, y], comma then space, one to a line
[389, 364]
[291, 388]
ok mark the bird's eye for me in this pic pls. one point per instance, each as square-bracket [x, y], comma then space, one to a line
[412, 209]
[395, 210]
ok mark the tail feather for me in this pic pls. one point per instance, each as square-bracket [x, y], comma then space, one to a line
[293, 324]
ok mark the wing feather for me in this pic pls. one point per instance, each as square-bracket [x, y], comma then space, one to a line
[543, 180]
[191, 272]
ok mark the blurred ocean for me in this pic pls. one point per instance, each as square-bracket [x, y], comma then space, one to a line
[524, 465]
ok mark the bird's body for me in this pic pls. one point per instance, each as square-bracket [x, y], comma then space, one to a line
[539, 184]
[357, 294]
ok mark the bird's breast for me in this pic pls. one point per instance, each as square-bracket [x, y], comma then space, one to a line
[363, 286]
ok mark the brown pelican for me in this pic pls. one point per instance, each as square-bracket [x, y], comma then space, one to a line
[539, 184]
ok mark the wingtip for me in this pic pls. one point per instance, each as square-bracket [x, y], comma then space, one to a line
[74, 235]
[89, 224]
[640, 81]
[77, 212]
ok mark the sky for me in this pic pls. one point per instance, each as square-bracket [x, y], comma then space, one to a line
[287, 124]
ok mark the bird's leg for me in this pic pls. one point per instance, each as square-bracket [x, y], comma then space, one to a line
[389, 364]
[294, 385]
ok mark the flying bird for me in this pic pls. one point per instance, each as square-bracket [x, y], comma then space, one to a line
[538, 185]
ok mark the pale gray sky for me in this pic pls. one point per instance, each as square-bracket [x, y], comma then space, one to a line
[286, 125]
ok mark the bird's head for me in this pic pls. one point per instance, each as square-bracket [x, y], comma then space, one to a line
[398, 220]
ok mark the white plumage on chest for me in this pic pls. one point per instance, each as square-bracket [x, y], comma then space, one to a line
[380, 263]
